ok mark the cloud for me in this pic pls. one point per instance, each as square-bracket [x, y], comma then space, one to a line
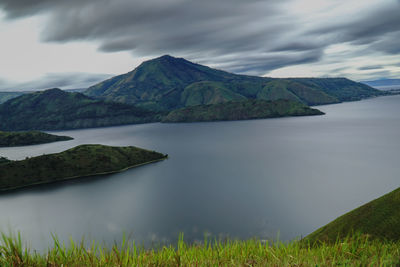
[197, 30]
[379, 29]
[252, 36]
[374, 67]
[55, 80]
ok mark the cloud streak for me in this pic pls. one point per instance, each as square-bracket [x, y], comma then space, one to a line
[253, 36]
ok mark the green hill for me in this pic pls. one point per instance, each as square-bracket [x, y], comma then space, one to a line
[8, 139]
[55, 109]
[379, 219]
[168, 83]
[243, 110]
[83, 160]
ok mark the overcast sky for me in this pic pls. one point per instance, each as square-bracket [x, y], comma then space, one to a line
[76, 43]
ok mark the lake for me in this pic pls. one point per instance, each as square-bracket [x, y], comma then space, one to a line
[260, 178]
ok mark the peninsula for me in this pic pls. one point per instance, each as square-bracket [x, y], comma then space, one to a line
[80, 161]
[8, 139]
[242, 110]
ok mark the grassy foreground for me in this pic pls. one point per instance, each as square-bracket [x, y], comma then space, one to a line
[354, 251]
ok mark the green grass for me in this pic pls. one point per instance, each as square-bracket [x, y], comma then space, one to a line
[83, 160]
[356, 250]
[380, 219]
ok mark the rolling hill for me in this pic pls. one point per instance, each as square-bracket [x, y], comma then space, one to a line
[55, 109]
[168, 83]
[380, 219]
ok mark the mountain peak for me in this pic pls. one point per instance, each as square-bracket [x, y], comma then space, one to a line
[168, 59]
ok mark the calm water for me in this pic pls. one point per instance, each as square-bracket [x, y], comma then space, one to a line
[239, 179]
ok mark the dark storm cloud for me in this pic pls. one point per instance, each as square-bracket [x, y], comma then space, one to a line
[56, 80]
[252, 36]
[379, 29]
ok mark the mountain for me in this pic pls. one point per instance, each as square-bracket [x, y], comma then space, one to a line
[379, 219]
[168, 83]
[55, 109]
[83, 160]
[8, 139]
[243, 110]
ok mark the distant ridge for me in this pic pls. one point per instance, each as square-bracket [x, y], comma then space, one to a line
[168, 83]
[384, 84]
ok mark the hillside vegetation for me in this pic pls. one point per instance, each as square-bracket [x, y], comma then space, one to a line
[243, 110]
[168, 83]
[55, 109]
[379, 219]
[83, 160]
[341, 88]
[8, 139]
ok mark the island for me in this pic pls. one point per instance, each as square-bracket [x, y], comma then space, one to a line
[241, 110]
[80, 161]
[9, 139]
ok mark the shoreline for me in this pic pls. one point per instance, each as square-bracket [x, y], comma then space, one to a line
[5, 190]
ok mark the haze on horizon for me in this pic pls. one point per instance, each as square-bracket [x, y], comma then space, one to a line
[77, 43]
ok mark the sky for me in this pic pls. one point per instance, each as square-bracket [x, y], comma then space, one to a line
[77, 43]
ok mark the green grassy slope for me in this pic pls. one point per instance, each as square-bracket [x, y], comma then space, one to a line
[275, 90]
[243, 110]
[55, 109]
[8, 139]
[83, 160]
[379, 219]
[201, 93]
[341, 88]
[163, 84]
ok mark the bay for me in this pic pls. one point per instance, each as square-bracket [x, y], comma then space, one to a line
[261, 178]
